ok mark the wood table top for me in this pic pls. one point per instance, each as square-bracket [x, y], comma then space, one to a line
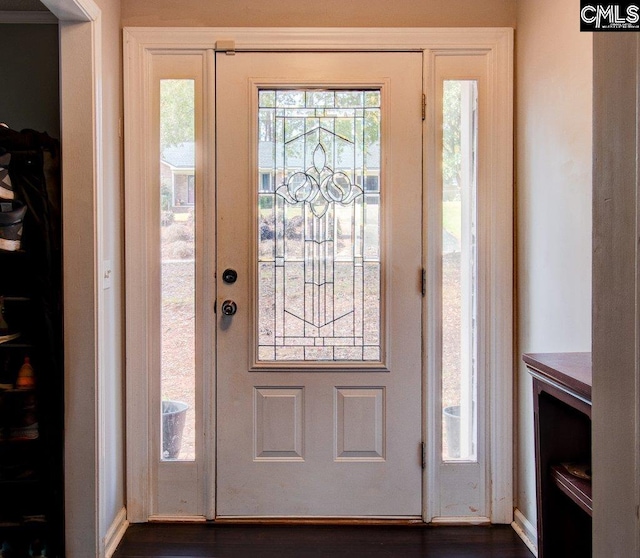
[572, 370]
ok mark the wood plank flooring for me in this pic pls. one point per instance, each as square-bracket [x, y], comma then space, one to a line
[316, 541]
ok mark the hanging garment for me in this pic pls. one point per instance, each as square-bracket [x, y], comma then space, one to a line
[11, 218]
[33, 173]
[6, 189]
[11, 212]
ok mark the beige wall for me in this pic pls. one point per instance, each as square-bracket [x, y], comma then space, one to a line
[328, 13]
[553, 207]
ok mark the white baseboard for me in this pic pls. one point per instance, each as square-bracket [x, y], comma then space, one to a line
[526, 531]
[115, 533]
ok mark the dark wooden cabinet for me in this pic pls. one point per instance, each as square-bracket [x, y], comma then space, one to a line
[562, 416]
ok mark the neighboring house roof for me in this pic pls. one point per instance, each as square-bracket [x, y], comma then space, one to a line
[346, 158]
[181, 156]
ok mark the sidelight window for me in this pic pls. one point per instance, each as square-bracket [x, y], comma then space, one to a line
[459, 270]
[177, 268]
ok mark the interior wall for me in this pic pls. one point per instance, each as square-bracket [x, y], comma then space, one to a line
[329, 13]
[553, 207]
[29, 96]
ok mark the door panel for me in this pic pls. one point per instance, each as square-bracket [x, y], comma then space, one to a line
[319, 369]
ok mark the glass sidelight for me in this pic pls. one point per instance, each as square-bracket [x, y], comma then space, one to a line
[459, 270]
[177, 270]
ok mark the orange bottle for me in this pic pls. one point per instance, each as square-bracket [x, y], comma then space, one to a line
[26, 378]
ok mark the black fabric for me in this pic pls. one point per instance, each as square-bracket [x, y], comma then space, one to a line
[35, 272]
[35, 176]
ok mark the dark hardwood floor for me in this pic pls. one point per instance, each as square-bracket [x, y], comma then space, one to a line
[315, 541]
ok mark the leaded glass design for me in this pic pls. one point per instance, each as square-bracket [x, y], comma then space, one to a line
[318, 187]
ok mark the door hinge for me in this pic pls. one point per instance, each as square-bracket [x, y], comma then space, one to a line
[423, 452]
[424, 281]
[424, 106]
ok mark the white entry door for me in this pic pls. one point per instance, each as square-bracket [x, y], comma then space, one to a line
[319, 284]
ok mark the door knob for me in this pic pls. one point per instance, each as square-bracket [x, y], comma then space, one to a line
[229, 308]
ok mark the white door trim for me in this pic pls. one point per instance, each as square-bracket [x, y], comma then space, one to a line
[495, 294]
[81, 113]
[74, 10]
[496, 45]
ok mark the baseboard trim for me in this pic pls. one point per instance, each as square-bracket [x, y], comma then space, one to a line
[526, 531]
[115, 533]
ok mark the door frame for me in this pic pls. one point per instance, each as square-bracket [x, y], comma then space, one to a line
[495, 47]
[91, 527]
[84, 149]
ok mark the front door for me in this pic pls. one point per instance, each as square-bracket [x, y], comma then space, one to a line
[319, 284]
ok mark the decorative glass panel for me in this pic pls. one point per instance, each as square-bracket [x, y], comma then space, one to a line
[318, 187]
